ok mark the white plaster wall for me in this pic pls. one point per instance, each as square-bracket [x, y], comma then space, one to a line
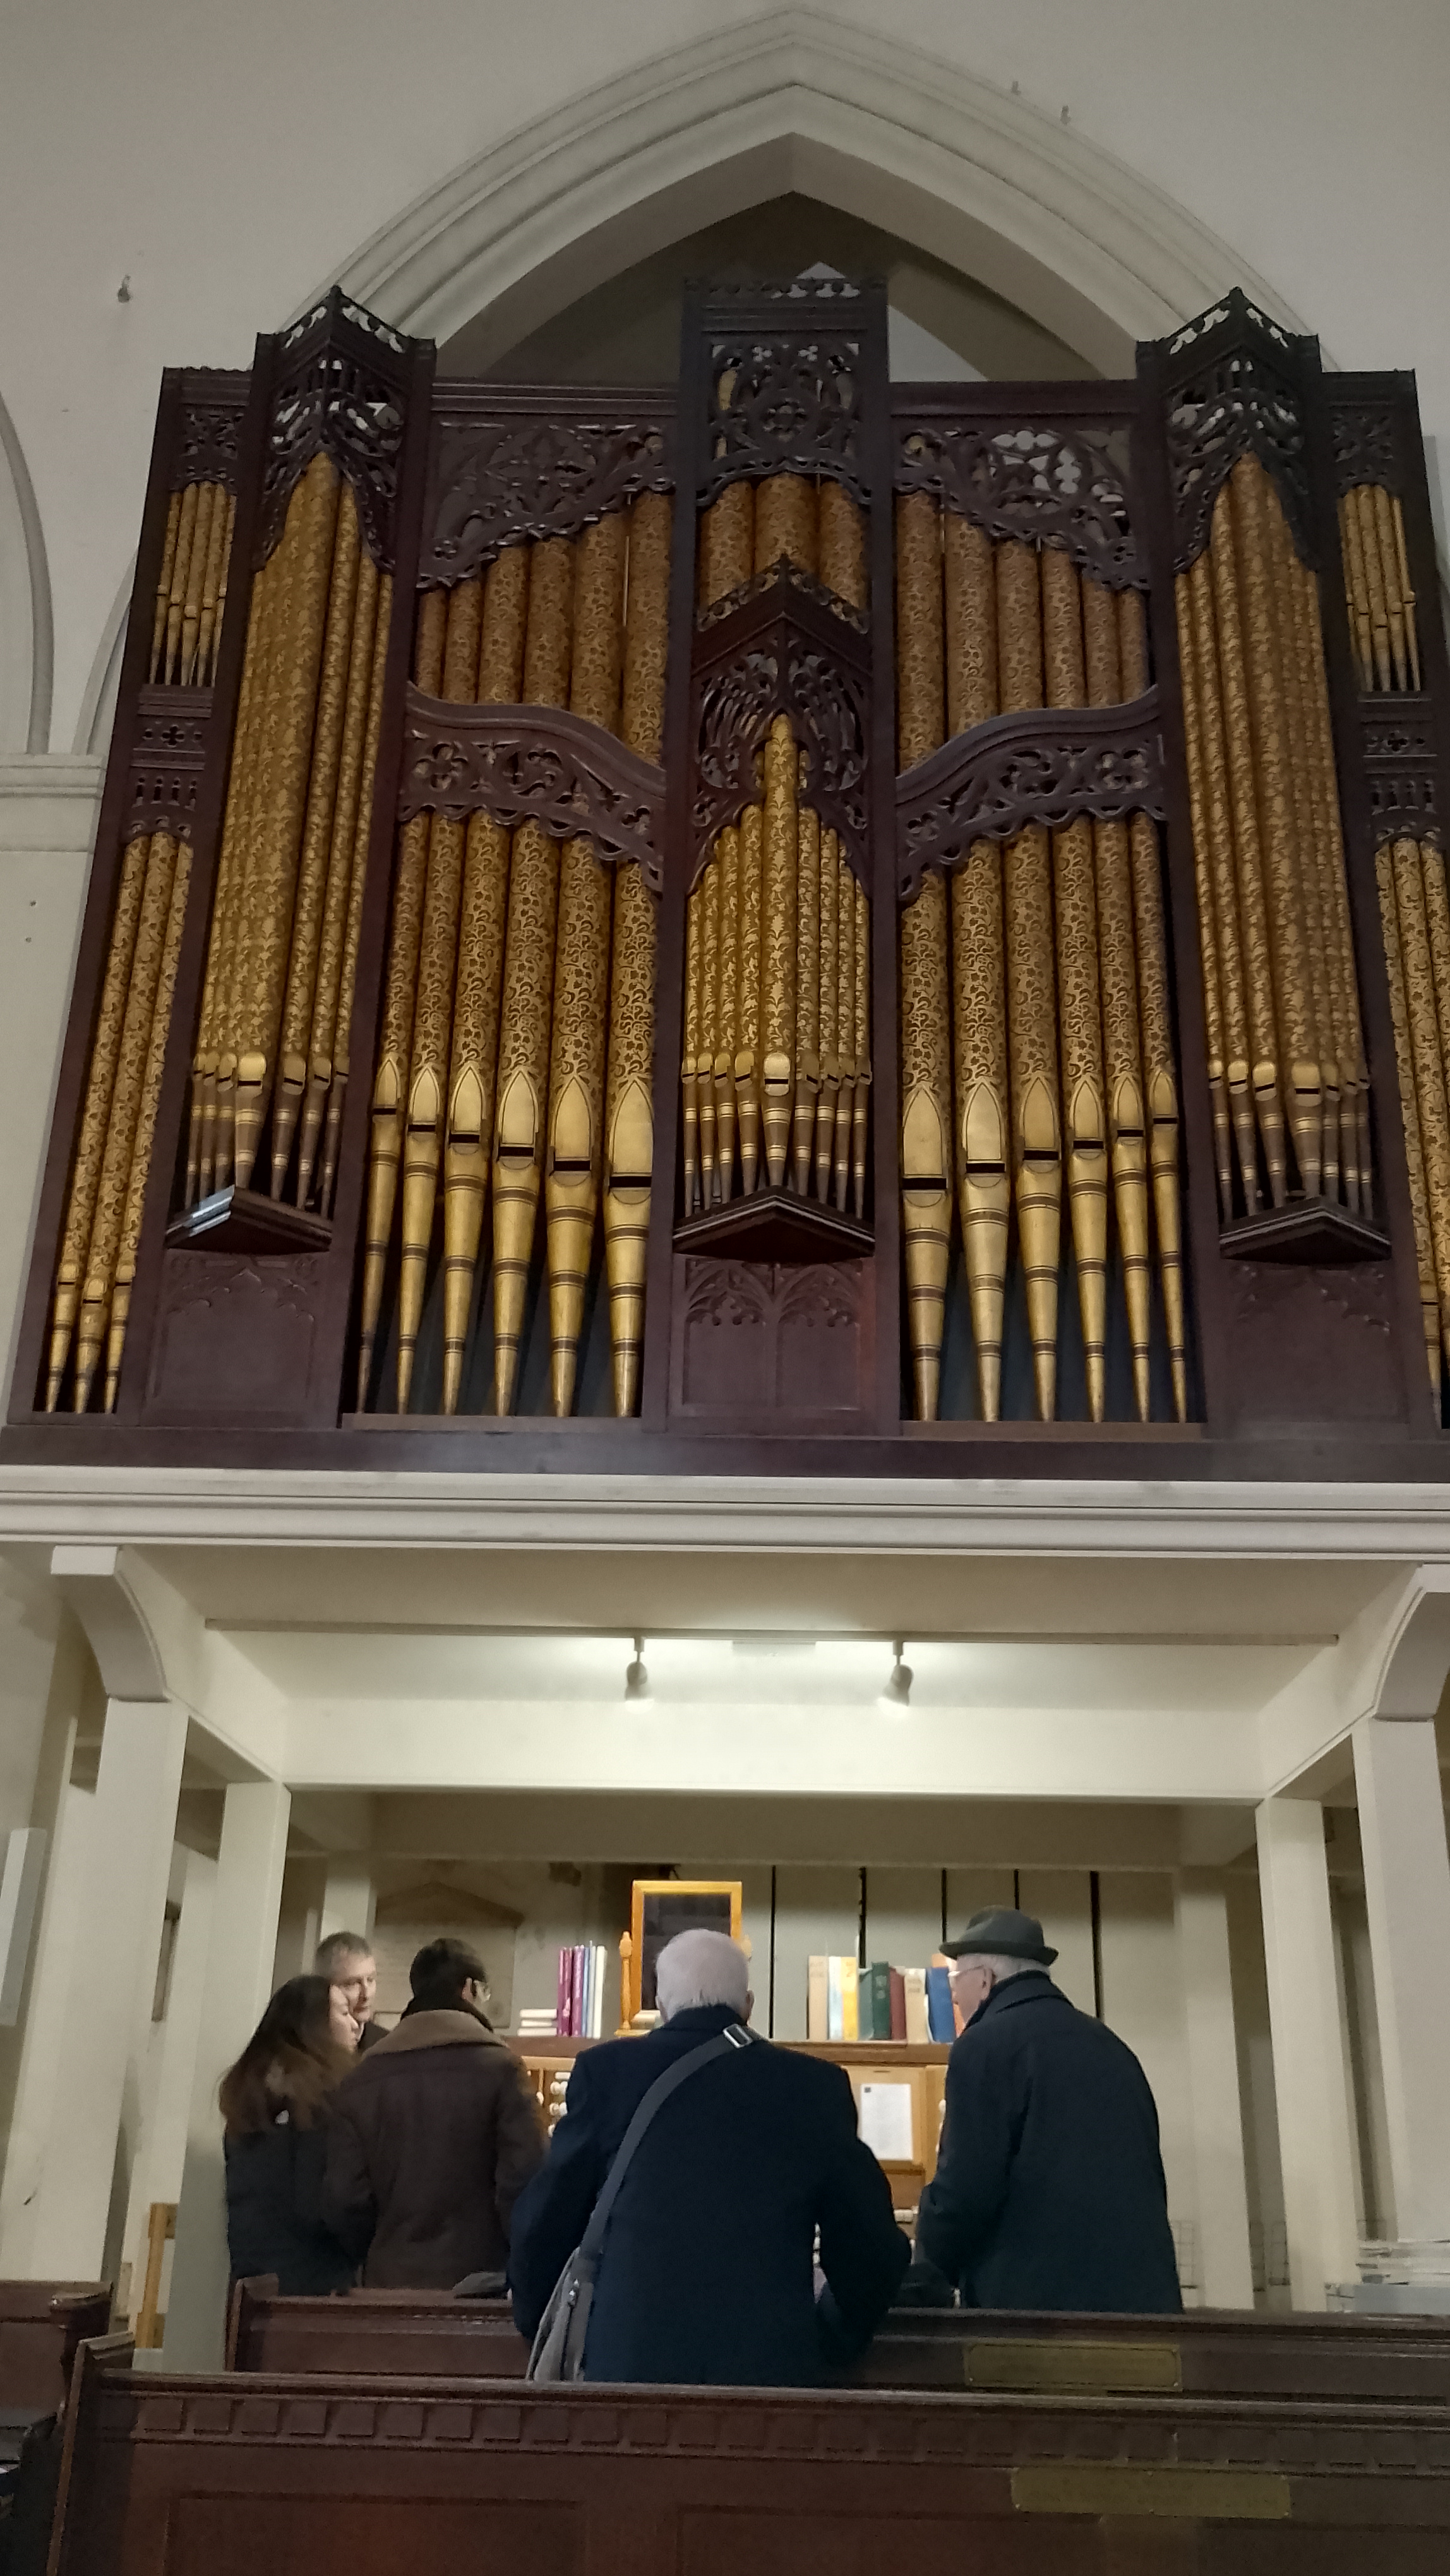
[298, 129]
[1143, 2003]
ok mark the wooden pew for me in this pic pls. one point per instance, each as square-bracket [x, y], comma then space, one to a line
[336, 2476]
[41, 2325]
[386, 2333]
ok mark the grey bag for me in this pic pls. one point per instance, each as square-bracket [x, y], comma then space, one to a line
[558, 2351]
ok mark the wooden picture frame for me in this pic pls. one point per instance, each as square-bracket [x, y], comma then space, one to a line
[646, 1935]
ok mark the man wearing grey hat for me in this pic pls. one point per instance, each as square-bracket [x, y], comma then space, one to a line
[1049, 2189]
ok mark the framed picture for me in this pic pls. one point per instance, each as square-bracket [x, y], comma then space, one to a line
[661, 1907]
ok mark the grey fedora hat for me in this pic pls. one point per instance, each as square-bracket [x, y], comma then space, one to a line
[1004, 1932]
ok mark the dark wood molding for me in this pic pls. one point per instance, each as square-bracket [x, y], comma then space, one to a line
[533, 765]
[1041, 767]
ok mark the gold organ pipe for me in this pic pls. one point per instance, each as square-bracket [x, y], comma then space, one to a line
[785, 522]
[1254, 503]
[629, 1098]
[180, 566]
[216, 546]
[221, 588]
[528, 985]
[727, 543]
[829, 1007]
[352, 927]
[1412, 640]
[395, 1036]
[163, 585]
[727, 1008]
[317, 837]
[1355, 1158]
[433, 1010]
[1122, 1052]
[1079, 1013]
[95, 1114]
[1414, 1148]
[327, 977]
[130, 1242]
[1356, 589]
[1160, 1079]
[1234, 701]
[482, 922]
[926, 1204]
[748, 1049]
[979, 996]
[207, 494]
[1031, 994]
[778, 937]
[1384, 527]
[581, 994]
[689, 1080]
[1428, 1059]
[709, 1021]
[807, 987]
[201, 1139]
[311, 517]
[229, 928]
[841, 528]
[1308, 833]
[860, 1116]
[1211, 805]
[845, 1020]
[131, 1061]
[1362, 498]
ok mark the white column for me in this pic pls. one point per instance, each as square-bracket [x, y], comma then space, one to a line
[102, 2004]
[349, 1900]
[1407, 1897]
[1201, 1905]
[159, 2168]
[1311, 2088]
[246, 1896]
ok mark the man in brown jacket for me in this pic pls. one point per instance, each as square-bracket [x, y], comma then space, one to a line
[432, 2137]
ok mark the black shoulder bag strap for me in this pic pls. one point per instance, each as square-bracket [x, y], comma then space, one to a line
[734, 2035]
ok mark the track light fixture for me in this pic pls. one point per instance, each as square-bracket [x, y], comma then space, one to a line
[636, 1678]
[898, 1687]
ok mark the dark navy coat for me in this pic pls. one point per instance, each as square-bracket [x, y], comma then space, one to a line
[706, 2273]
[1049, 2190]
[274, 2211]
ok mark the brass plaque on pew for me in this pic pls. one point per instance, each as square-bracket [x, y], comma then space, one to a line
[1124, 2486]
[1051, 2368]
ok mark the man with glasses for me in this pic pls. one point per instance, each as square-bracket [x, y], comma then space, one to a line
[1049, 2189]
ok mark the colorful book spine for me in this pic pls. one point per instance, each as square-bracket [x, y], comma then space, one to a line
[835, 2024]
[897, 2003]
[576, 1990]
[941, 2021]
[562, 2023]
[877, 1980]
[850, 2000]
[817, 2003]
[917, 2028]
[601, 1964]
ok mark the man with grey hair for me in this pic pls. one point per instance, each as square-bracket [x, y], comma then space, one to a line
[706, 2274]
[1049, 2189]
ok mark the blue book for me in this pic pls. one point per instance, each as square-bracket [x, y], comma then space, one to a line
[941, 2021]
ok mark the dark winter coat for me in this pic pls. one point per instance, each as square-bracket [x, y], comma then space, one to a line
[706, 2274]
[433, 2136]
[274, 2211]
[1049, 2190]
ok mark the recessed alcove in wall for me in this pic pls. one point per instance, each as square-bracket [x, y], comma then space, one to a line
[944, 325]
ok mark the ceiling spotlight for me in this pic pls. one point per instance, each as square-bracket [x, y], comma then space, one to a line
[636, 1679]
[898, 1687]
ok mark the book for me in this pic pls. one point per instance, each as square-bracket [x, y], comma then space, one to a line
[941, 2020]
[601, 1970]
[914, 1980]
[576, 1990]
[898, 2003]
[816, 2003]
[562, 2023]
[876, 2009]
[850, 2010]
[835, 2023]
[586, 1990]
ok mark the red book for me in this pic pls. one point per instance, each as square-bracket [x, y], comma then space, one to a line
[898, 2004]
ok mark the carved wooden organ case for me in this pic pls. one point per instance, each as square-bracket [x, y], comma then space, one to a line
[782, 921]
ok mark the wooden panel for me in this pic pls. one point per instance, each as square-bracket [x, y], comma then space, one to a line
[760, 1337]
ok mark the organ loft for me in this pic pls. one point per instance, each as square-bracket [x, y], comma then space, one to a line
[784, 905]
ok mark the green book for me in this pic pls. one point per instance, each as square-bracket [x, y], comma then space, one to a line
[877, 1982]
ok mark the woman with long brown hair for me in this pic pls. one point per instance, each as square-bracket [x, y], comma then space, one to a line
[275, 2104]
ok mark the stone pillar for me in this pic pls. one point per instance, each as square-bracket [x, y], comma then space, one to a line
[1407, 1897]
[1201, 1906]
[114, 1897]
[158, 2172]
[246, 1896]
[349, 1900]
[1311, 2088]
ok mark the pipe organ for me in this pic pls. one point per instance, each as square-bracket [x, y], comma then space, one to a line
[683, 925]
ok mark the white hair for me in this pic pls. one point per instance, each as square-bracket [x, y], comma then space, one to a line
[698, 1968]
[1001, 1966]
